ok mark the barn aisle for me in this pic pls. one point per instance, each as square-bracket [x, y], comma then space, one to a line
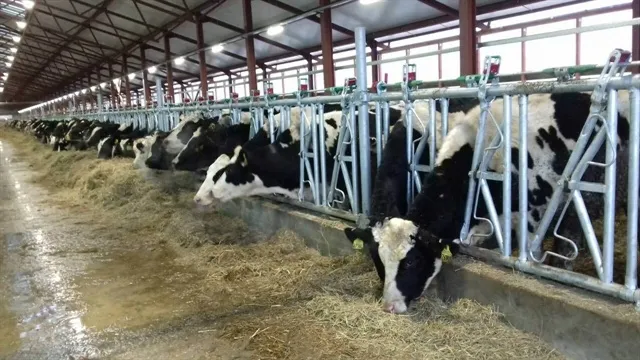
[68, 293]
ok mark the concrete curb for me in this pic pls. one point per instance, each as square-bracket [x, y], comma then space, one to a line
[580, 324]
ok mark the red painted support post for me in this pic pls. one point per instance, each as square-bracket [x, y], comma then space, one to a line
[375, 69]
[328, 68]
[251, 55]
[127, 87]
[145, 76]
[311, 76]
[204, 86]
[167, 58]
[468, 38]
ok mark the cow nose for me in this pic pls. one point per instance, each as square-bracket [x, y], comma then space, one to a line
[390, 308]
[197, 200]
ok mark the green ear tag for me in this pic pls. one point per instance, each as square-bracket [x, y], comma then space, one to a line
[358, 244]
[446, 254]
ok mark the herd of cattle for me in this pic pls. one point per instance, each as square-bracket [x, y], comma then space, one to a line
[405, 241]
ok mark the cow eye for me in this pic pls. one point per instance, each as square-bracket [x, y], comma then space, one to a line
[409, 264]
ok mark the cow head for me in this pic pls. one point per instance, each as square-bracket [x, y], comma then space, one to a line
[181, 134]
[158, 154]
[406, 257]
[141, 152]
[204, 196]
[198, 153]
[235, 179]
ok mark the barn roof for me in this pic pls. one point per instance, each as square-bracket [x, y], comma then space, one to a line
[69, 40]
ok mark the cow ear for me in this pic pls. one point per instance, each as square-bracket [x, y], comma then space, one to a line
[354, 234]
[139, 146]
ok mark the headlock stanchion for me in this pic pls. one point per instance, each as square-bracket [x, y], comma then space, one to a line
[340, 183]
[602, 98]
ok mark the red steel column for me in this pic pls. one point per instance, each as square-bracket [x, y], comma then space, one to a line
[251, 55]
[145, 76]
[204, 86]
[311, 76]
[375, 69]
[635, 47]
[125, 75]
[167, 58]
[327, 46]
[468, 38]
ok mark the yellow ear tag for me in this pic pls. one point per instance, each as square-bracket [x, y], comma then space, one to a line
[358, 244]
[446, 254]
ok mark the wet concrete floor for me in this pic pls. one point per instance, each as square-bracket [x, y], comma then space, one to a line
[68, 293]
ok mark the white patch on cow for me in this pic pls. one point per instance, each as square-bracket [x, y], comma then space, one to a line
[224, 191]
[245, 117]
[122, 126]
[173, 145]
[330, 131]
[394, 242]
[52, 140]
[95, 130]
[204, 196]
[196, 134]
[101, 143]
[142, 155]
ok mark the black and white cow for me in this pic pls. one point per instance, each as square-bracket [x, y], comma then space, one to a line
[406, 248]
[273, 168]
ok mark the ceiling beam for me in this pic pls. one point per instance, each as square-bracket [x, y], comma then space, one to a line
[449, 11]
[70, 40]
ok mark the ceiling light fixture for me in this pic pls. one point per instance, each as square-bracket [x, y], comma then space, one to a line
[152, 70]
[21, 24]
[179, 61]
[217, 48]
[275, 30]
[16, 39]
[28, 4]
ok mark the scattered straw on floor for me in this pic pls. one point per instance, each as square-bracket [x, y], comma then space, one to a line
[275, 297]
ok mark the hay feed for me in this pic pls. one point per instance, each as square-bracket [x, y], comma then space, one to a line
[270, 293]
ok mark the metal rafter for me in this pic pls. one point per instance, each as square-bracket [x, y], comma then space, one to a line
[70, 40]
[449, 11]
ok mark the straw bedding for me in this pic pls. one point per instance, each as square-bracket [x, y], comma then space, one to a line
[274, 296]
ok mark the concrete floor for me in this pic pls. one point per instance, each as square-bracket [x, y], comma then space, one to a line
[68, 293]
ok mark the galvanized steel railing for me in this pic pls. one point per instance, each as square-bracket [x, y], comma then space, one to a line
[355, 169]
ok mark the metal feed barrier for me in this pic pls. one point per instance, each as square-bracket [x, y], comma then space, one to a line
[351, 162]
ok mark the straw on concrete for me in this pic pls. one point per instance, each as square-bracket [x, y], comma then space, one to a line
[271, 293]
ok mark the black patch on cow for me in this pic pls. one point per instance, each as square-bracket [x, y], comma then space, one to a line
[515, 158]
[529, 227]
[557, 146]
[571, 111]
[535, 214]
[539, 142]
[331, 123]
[539, 196]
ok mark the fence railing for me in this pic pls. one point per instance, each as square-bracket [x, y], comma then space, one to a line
[351, 162]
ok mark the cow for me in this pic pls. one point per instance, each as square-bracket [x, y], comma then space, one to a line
[406, 248]
[273, 168]
[168, 146]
